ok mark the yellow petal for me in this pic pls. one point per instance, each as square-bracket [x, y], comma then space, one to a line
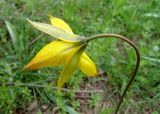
[59, 23]
[50, 55]
[87, 66]
[71, 66]
[56, 32]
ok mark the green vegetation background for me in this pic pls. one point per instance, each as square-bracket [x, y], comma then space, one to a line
[139, 20]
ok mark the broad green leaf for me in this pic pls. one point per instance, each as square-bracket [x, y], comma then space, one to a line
[56, 32]
[70, 67]
[12, 33]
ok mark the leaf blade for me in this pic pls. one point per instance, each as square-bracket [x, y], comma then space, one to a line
[12, 33]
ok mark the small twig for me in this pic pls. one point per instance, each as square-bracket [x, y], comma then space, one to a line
[113, 93]
[55, 110]
[36, 39]
[127, 110]
[55, 88]
[83, 97]
[46, 108]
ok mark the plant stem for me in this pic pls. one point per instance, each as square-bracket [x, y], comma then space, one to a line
[137, 62]
[45, 86]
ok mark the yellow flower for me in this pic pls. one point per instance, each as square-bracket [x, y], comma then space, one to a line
[67, 51]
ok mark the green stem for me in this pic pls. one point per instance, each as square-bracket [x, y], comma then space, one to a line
[137, 62]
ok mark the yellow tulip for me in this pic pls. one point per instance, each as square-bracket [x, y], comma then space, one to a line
[67, 51]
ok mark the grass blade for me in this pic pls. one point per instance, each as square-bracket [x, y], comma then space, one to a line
[12, 33]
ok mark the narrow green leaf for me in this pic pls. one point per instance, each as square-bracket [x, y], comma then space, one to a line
[56, 32]
[71, 110]
[156, 60]
[70, 67]
[12, 33]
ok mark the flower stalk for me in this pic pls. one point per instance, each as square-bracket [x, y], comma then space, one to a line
[133, 75]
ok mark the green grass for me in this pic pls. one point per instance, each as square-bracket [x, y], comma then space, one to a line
[139, 20]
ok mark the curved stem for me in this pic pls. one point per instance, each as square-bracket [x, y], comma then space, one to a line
[137, 63]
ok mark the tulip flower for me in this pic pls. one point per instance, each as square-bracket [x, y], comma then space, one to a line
[67, 51]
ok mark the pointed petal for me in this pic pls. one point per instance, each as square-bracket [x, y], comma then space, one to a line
[70, 67]
[50, 55]
[87, 66]
[59, 23]
[56, 32]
